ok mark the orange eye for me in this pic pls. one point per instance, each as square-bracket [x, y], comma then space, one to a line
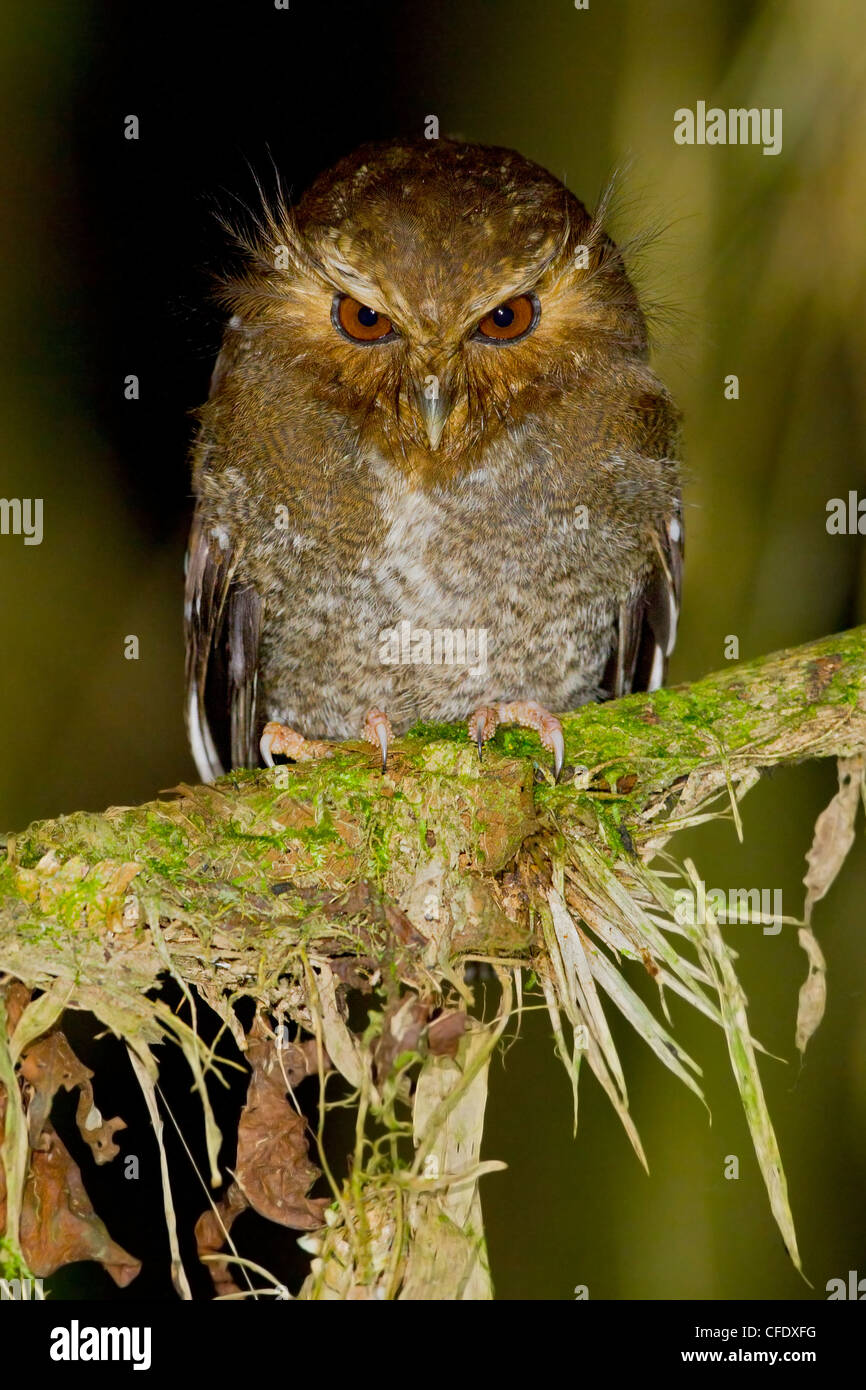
[511, 320]
[359, 322]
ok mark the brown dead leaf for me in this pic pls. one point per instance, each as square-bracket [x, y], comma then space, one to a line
[445, 1032]
[402, 1026]
[58, 1223]
[211, 1232]
[273, 1167]
[49, 1064]
[94, 1130]
[17, 998]
[834, 833]
[355, 972]
[300, 1060]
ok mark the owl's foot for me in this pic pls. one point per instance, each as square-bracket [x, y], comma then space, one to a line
[530, 715]
[378, 731]
[279, 738]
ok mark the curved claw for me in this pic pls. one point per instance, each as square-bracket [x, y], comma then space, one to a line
[482, 726]
[382, 734]
[558, 744]
[377, 730]
[266, 743]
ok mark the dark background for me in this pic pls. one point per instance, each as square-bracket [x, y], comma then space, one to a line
[758, 267]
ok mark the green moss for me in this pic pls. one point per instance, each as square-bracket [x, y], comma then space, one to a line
[428, 731]
[377, 847]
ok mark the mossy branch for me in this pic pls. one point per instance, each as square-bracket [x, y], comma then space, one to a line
[297, 884]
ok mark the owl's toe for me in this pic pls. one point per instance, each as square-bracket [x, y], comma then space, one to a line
[280, 739]
[530, 715]
[482, 725]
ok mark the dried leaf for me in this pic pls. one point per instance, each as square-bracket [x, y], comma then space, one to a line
[49, 1064]
[741, 1051]
[17, 998]
[342, 1047]
[14, 1151]
[402, 1026]
[58, 1223]
[445, 1032]
[570, 1060]
[148, 1090]
[40, 1015]
[565, 970]
[458, 1137]
[199, 1056]
[222, 1006]
[447, 1256]
[813, 991]
[446, 1261]
[582, 985]
[273, 1168]
[834, 833]
[96, 1132]
[616, 902]
[639, 1016]
[299, 1060]
[212, 1230]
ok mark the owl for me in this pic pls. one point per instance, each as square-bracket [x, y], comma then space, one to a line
[436, 477]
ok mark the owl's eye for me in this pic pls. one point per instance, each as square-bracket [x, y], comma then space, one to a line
[359, 322]
[510, 321]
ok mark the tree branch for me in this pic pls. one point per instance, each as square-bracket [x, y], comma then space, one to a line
[296, 884]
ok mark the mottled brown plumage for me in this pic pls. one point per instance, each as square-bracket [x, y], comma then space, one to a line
[526, 488]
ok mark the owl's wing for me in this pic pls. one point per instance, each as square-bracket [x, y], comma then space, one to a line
[222, 623]
[222, 628]
[647, 626]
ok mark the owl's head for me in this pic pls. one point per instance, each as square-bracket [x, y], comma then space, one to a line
[435, 294]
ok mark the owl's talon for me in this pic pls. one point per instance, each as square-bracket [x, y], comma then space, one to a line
[279, 738]
[528, 713]
[558, 744]
[378, 731]
[482, 726]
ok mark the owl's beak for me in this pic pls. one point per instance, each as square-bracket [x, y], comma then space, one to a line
[434, 404]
